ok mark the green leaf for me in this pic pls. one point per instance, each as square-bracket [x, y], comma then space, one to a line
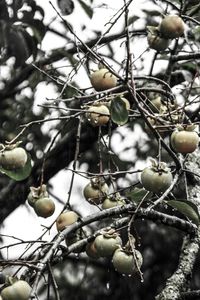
[118, 111]
[187, 208]
[136, 194]
[87, 8]
[19, 174]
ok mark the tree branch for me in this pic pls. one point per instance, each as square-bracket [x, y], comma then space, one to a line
[56, 55]
[190, 248]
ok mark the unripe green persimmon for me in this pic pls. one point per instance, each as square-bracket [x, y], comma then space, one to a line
[184, 141]
[44, 207]
[103, 79]
[95, 195]
[20, 290]
[156, 181]
[106, 244]
[36, 193]
[124, 262]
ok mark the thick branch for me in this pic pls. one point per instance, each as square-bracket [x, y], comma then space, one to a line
[177, 282]
[190, 248]
[48, 254]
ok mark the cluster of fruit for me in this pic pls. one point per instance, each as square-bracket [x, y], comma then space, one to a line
[172, 26]
[157, 178]
[109, 244]
[184, 139]
[96, 192]
[39, 200]
[98, 114]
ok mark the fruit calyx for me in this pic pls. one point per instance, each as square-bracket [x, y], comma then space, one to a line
[159, 167]
[186, 127]
[97, 182]
[39, 192]
[109, 233]
[7, 146]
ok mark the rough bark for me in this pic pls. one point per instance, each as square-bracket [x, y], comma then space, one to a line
[177, 283]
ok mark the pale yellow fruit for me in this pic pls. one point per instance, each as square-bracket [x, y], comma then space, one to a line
[98, 115]
[171, 26]
[103, 79]
[65, 219]
[20, 290]
[13, 159]
[95, 195]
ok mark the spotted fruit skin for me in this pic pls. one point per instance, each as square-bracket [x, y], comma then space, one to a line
[102, 80]
[98, 115]
[106, 245]
[20, 290]
[171, 26]
[156, 181]
[44, 207]
[95, 195]
[13, 159]
[157, 43]
[65, 219]
[184, 141]
[124, 262]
